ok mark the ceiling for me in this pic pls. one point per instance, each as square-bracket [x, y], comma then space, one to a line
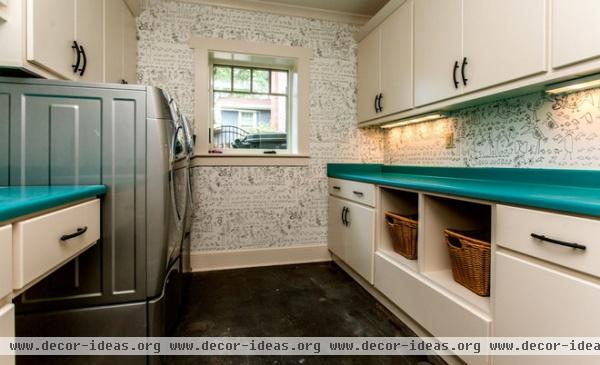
[357, 7]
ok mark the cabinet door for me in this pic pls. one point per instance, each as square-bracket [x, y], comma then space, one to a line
[438, 47]
[7, 329]
[336, 230]
[368, 75]
[360, 239]
[534, 300]
[396, 61]
[50, 35]
[575, 31]
[503, 41]
[89, 34]
[130, 48]
[6, 269]
[113, 40]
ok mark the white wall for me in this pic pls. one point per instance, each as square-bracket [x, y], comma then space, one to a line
[252, 207]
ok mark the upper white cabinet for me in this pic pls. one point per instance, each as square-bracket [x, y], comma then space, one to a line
[503, 41]
[50, 35]
[438, 50]
[575, 31]
[369, 74]
[385, 66]
[70, 39]
[121, 51]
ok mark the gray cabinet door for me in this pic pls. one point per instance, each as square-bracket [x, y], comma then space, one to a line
[65, 135]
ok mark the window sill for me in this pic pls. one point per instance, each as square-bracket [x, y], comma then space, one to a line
[249, 160]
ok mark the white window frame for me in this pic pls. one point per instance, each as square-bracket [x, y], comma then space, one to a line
[297, 153]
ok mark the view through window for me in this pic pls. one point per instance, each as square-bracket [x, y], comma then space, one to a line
[250, 108]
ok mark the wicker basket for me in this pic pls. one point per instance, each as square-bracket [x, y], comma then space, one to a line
[403, 231]
[470, 258]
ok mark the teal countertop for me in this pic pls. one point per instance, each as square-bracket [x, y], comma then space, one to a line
[573, 191]
[17, 201]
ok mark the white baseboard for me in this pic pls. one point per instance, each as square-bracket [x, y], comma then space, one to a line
[235, 259]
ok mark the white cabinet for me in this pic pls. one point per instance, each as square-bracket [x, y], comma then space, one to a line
[438, 50]
[503, 41]
[50, 35]
[396, 61]
[90, 38]
[360, 240]
[536, 300]
[336, 227]
[120, 39]
[575, 31]
[7, 329]
[5, 261]
[70, 39]
[385, 67]
[351, 234]
[368, 74]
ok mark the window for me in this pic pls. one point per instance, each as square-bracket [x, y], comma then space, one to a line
[251, 101]
[250, 108]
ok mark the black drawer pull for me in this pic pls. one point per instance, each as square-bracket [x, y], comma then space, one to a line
[359, 193]
[79, 232]
[557, 242]
[336, 188]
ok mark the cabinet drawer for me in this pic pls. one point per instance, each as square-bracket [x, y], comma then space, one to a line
[439, 314]
[353, 190]
[514, 227]
[5, 261]
[37, 245]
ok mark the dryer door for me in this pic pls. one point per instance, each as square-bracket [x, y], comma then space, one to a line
[178, 191]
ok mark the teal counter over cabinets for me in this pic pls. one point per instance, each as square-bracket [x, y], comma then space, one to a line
[16, 201]
[573, 191]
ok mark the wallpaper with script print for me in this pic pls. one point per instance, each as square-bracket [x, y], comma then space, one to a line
[531, 131]
[250, 207]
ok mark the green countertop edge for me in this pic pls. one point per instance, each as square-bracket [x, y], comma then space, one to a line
[28, 205]
[571, 191]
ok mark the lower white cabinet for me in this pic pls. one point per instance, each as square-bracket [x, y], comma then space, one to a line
[351, 235]
[539, 300]
[5, 261]
[7, 329]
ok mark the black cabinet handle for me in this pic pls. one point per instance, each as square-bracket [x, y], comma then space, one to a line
[79, 232]
[376, 103]
[337, 188]
[379, 102]
[343, 212]
[124, 82]
[75, 46]
[462, 71]
[82, 69]
[346, 217]
[557, 242]
[359, 193]
[454, 74]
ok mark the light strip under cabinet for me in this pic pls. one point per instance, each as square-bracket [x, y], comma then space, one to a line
[580, 84]
[418, 119]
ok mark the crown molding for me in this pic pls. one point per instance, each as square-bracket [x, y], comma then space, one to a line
[284, 9]
[378, 18]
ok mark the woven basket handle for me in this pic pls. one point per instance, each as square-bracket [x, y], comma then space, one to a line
[454, 242]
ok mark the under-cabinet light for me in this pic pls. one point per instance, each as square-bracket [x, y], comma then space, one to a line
[419, 119]
[583, 83]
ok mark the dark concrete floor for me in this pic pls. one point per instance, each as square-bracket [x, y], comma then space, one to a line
[318, 300]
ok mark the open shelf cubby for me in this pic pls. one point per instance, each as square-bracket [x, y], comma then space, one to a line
[401, 202]
[438, 214]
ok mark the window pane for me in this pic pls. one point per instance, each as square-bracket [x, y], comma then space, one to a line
[260, 81]
[222, 78]
[250, 121]
[241, 79]
[279, 82]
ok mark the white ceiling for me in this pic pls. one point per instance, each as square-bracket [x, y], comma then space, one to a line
[358, 7]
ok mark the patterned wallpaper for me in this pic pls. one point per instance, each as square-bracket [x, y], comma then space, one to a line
[250, 207]
[531, 131]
